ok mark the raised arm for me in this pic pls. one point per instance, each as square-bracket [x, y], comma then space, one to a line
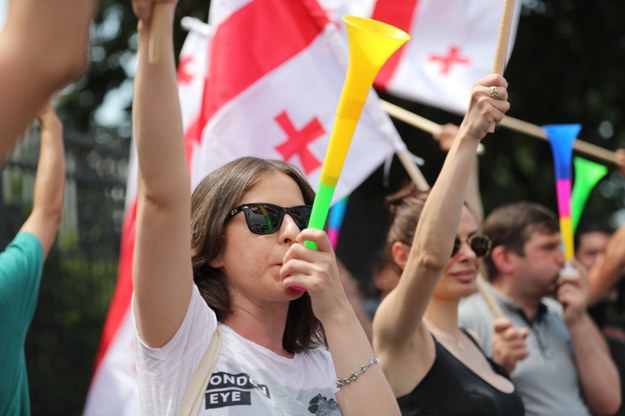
[42, 47]
[162, 274]
[401, 312]
[47, 211]
[598, 375]
[473, 197]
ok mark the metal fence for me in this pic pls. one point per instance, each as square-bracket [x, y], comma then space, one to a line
[81, 270]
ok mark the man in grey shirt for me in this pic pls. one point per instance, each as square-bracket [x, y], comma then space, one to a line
[556, 356]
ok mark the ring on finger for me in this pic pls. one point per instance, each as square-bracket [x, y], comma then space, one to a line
[494, 93]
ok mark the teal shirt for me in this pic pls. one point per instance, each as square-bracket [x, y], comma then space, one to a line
[21, 264]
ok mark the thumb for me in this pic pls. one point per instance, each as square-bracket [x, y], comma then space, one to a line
[523, 332]
[501, 324]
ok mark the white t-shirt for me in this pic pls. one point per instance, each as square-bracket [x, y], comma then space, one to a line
[247, 379]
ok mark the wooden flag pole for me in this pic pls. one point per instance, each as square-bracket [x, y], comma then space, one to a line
[482, 288]
[503, 39]
[585, 148]
[416, 120]
[413, 171]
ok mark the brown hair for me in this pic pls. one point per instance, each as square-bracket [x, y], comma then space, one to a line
[512, 225]
[405, 207]
[211, 202]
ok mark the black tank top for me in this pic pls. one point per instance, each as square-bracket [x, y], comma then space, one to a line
[450, 388]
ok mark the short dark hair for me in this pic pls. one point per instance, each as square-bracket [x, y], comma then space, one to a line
[591, 226]
[211, 202]
[512, 225]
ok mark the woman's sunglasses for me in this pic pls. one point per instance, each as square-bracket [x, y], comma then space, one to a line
[263, 218]
[480, 244]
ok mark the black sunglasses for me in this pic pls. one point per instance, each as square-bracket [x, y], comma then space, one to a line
[263, 218]
[480, 244]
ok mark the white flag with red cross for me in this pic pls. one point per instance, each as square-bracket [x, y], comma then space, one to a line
[453, 45]
[275, 74]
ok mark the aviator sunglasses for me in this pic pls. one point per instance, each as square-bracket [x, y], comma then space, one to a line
[263, 218]
[480, 244]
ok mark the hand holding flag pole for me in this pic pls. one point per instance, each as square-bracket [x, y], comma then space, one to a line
[371, 44]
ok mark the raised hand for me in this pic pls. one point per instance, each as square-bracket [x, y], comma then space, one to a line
[573, 292]
[316, 271]
[488, 105]
[508, 343]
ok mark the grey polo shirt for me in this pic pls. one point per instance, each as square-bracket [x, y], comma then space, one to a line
[547, 378]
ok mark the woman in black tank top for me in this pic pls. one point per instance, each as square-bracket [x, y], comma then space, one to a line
[463, 392]
[433, 366]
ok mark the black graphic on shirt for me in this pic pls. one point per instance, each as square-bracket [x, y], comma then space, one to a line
[225, 389]
[322, 406]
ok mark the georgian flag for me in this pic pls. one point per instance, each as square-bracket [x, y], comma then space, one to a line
[275, 76]
[453, 45]
[265, 82]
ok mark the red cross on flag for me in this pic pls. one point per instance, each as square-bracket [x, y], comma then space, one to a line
[265, 82]
[453, 45]
[274, 79]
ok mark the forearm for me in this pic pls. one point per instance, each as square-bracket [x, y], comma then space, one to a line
[53, 36]
[49, 187]
[350, 349]
[50, 181]
[157, 121]
[441, 213]
[473, 196]
[598, 375]
[42, 47]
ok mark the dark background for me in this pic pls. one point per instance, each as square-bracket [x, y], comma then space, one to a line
[567, 66]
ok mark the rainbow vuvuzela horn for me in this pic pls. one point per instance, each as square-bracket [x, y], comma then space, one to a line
[561, 138]
[371, 43]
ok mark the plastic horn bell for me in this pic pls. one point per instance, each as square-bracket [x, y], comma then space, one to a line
[561, 138]
[587, 175]
[371, 43]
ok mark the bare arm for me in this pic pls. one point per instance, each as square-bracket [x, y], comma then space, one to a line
[401, 312]
[45, 218]
[317, 271]
[43, 46]
[162, 274]
[473, 197]
[598, 375]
